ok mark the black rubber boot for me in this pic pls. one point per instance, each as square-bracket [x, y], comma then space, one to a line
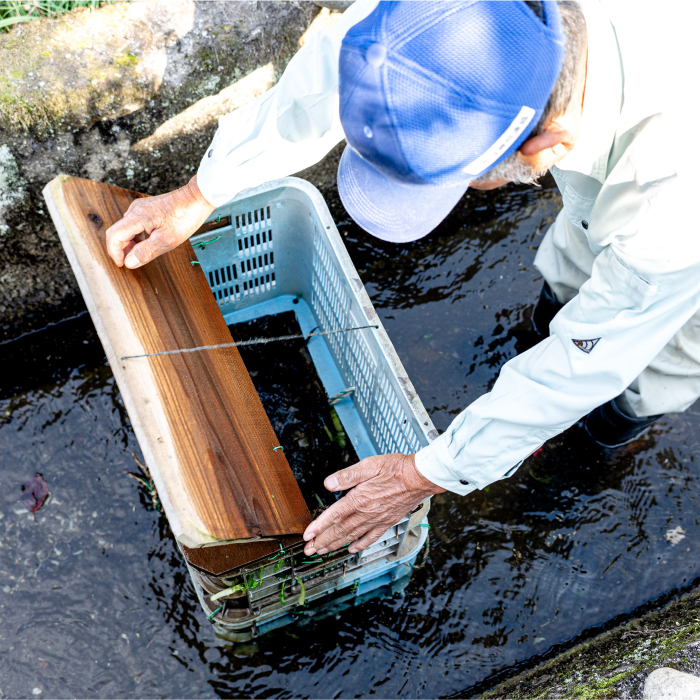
[546, 309]
[610, 426]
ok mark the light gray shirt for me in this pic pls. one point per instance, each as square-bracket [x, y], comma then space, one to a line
[626, 178]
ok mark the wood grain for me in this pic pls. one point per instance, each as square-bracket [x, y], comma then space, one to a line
[199, 421]
[224, 559]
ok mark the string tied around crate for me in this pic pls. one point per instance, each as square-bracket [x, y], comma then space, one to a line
[253, 341]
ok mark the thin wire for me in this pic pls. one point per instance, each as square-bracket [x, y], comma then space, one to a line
[241, 343]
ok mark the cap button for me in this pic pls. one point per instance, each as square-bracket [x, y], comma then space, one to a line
[376, 55]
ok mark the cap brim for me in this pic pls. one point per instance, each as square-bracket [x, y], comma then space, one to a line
[390, 210]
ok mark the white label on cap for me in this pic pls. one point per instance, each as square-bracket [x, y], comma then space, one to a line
[505, 141]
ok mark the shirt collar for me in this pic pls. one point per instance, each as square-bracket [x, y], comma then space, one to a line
[602, 99]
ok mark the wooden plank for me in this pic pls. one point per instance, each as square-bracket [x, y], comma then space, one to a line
[223, 559]
[198, 419]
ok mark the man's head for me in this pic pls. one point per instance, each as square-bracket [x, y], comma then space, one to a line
[436, 95]
[558, 126]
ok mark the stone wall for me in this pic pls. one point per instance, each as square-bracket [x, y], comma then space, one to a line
[128, 94]
[617, 663]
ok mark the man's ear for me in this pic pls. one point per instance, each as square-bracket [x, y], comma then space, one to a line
[555, 139]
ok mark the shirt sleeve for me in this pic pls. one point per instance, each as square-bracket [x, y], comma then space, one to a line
[290, 127]
[601, 341]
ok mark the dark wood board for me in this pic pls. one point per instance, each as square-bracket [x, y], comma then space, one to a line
[199, 421]
[223, 559]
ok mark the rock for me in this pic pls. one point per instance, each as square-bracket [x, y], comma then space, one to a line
[542, 679]
[128, 94]
[339, 5]
[622, 668]
[669, 684]
[12, 186]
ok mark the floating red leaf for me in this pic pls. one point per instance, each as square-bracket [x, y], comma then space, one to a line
[34, 493]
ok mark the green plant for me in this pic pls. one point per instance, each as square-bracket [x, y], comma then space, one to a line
[302, 597]
[15, 11]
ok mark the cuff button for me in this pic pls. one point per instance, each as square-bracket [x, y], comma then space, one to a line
[211, 153]
[464, 482]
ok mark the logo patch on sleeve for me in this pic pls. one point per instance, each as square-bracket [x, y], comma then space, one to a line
[585, 345]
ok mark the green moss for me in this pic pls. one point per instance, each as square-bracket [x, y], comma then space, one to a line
[127, 60]
[588, 671]
[599, 689]
[7, 99]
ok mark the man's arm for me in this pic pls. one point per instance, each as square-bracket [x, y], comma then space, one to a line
[537, 395]
[638, 297]
[289, 128]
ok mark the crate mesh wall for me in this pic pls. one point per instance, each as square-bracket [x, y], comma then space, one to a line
[251, 271]
[374, 394]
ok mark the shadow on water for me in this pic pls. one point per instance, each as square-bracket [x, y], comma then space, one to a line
[95, 600]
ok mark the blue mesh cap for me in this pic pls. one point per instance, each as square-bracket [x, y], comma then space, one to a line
[432, 96]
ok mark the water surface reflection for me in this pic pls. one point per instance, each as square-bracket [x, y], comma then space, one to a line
[95, 599]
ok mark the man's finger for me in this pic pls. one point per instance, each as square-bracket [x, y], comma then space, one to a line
[119, 235]
[352, 476]
[145, 251]
[344, 532]
[367, 539]
[336, 513]
[140, 254]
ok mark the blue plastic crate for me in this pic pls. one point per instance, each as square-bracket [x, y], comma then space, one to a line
[278, 251]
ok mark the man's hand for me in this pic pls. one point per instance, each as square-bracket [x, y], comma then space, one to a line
[169, 218]
[386, 487]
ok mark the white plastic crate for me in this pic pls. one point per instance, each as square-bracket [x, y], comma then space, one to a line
[278, 251]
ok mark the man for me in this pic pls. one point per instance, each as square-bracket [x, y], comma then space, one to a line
[435, 97]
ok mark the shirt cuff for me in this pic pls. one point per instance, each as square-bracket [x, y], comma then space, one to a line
[435, 464]
[216, 178]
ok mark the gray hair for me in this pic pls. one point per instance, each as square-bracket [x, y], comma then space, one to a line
[513, 168]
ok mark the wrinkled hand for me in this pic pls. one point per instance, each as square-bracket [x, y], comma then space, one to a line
[386, 487]
[169, 219]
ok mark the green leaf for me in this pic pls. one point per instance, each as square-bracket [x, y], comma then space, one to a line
[227, 591]
[13, 20]
[340, 433]
[302, 597]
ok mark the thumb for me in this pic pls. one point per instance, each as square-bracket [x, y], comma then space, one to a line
[352, 476]
[141, 254]
[160, 241]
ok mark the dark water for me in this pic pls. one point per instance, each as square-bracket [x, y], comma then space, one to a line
[95, 600]
[297, 405]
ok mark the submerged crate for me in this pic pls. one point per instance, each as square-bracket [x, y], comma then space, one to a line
[228, 491]
[275, 250]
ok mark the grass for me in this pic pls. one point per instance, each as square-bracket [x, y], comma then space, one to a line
[15, 11]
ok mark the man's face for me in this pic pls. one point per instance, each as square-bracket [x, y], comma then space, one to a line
[554, 141]
[488, 185]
